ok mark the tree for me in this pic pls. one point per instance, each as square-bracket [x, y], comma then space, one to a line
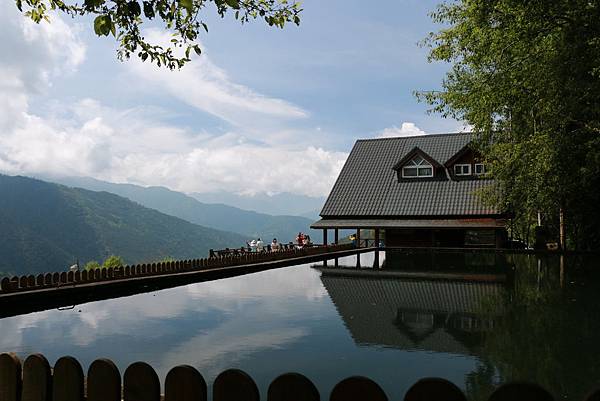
[526, 77]
[123, 19]
[92, 265]
[113, 261]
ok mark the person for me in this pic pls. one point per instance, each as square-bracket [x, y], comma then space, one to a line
[274, 245]
[300, 239]
[259, 245]
[253, 245]
[306, 240]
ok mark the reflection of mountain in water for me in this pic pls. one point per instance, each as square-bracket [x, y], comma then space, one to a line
[432, 315]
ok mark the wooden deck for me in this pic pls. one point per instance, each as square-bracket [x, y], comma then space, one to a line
[69, 291]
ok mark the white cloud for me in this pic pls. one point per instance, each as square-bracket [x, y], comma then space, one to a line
[86, 138]
[205, 86]
[131, 146]
[406, 129]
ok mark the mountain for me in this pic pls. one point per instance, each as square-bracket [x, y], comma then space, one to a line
[279, 204]
[218, 216]
[47, 227]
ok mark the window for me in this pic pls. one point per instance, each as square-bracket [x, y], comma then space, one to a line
[417, 167]
[462, 169]
[479, 169]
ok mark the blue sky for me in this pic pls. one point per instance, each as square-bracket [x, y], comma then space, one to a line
[262, 110]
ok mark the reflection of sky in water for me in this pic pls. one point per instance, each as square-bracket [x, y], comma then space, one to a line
[265, 323]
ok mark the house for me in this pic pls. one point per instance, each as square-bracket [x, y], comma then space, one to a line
[447, 316]
[416, 191]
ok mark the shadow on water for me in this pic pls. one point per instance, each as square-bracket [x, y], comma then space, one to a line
[523, 317]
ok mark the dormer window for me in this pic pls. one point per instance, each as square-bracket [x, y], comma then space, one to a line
[417, 167]
[479, 169]
[462, 169]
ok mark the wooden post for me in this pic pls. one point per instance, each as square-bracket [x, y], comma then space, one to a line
[336, 236]
[376, 261]
[358, 237]
[562, 233]
[325, 236]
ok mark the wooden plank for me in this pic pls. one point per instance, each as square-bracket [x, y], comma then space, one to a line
[103, 381]
[357, 388]
[434, 389]
[141, 383]
[520, 391]
[67, 383]
[10, 377]
[235, 385]
[292, 387]
[185, 383]
[37, 379]
[5, 285]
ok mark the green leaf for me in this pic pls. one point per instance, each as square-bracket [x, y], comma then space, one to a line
[93, 4]
[148, 10]
[102, 25]
[188, 5]
[233, 4]
[134, 8]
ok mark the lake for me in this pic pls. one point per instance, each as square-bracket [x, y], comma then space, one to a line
[477, 320]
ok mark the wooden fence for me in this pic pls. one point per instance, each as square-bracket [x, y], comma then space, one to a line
[35, 380]
[61, 279]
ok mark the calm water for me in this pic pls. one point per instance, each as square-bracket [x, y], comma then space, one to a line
[533, 321]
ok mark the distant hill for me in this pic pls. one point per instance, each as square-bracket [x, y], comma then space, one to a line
[279, 204]
[218, 216]
[46, 227]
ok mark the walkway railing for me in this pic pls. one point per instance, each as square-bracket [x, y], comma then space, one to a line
[35, 380]
[62, 279]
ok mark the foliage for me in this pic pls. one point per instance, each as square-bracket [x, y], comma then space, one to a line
[123, 19]
[526, 77]
[92, 265]
[113, 261]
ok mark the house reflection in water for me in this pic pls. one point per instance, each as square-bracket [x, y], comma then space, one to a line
[441, 311]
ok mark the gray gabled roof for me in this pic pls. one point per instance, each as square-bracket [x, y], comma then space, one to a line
[370, 308]
[368, 186]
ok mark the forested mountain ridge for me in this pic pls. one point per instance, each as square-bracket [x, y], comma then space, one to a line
[218, 216]
[47, 227]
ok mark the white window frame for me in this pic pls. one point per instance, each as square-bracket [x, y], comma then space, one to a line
[461, 174]
[412, 164]
[482, 169]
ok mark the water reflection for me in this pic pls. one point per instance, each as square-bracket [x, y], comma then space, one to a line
[475, 319]
[523, 317]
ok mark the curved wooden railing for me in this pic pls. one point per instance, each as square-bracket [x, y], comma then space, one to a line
[59, 279]
[35, 380]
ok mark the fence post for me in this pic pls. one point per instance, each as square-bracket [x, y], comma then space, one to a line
[185, 383]
[357, 388]
[103, 381]
[67, 383]
[433, 388]
[292, 387]
[37, 379]
[235, 385]
[140, 383]
[10, 377]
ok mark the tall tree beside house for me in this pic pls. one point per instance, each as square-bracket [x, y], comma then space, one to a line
[184, 19]
[526, 76]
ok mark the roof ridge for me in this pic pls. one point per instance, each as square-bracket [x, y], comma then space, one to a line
[415, 136]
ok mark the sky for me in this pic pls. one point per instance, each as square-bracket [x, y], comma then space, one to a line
[262, 110]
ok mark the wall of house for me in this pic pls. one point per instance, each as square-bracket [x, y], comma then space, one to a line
[446, 238]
